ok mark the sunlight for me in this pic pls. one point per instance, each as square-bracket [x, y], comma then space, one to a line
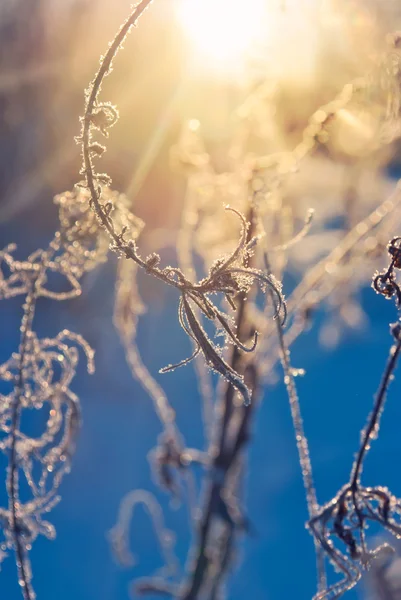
[223, 32]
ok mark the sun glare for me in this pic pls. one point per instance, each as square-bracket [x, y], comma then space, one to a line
[223, 32]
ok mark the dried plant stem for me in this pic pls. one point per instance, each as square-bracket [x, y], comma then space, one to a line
[300, 436]
[13, 479]
[140, 373]
[356, 505]
[40, 373]
[224, 456]
[223, 461]
[350, 241]
[184, 252]
[323, 271]
[345, 517]
[127, 309]
[372, 427]
[94, 90]
[227, 543]
[24, 578]
[301, 440]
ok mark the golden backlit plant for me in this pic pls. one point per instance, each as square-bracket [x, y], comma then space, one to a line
[300, 188]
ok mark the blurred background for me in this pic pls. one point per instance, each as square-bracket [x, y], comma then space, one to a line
[200, 60]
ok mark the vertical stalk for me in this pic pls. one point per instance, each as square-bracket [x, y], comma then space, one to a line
[223, 455]
[24, 578]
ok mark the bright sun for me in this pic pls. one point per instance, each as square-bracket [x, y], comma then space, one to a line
[223, 32]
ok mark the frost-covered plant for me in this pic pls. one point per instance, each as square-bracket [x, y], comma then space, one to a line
[38, 376]
[257, 189]
[250, 222]
[344, 520]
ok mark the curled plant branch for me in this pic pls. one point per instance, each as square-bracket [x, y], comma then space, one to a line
[228, 276]
[119, 538]
[40, 374]
[385, 283]
[101, 116]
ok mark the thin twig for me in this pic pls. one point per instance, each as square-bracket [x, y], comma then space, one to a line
[374, 418]
[13, 479]
[301, 439]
